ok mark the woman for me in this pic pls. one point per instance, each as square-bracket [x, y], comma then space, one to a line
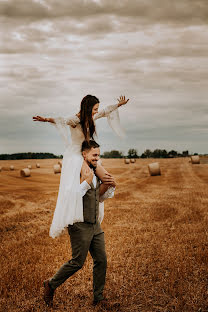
[69, 207]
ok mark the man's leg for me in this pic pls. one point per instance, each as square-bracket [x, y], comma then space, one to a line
[80, 235]
[97, 251]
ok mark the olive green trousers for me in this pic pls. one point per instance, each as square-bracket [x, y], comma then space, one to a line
[85, 237]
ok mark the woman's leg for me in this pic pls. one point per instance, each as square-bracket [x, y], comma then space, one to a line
[100, 171]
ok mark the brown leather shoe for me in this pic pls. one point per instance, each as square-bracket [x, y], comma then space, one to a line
[48, 293]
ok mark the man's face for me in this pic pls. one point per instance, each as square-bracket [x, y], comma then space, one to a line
[92, 156]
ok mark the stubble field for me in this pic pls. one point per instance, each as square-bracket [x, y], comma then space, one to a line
[155, 231]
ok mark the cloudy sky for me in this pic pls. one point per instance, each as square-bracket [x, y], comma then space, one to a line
[54, 52]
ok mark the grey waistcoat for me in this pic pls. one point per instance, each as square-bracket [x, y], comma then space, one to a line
[91, 203]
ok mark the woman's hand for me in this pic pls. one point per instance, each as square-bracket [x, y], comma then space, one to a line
[39, 118]
[122, 100]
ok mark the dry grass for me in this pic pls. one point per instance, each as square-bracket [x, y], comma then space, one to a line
[155, 231]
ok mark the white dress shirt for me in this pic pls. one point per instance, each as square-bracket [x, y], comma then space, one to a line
[84, 187]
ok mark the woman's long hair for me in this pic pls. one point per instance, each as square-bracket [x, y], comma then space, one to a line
[86, 119]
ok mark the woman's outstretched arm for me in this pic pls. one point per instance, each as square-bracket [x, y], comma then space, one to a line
[110, 108]
[70, 121]
[39, 118]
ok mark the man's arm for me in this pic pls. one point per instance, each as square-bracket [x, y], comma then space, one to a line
[108, 194]
[107, 188]
[87, 176]
[103, 188]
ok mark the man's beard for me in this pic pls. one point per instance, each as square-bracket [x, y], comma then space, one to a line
[92, 166]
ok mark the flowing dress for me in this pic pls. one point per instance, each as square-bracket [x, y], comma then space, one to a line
[69, 207]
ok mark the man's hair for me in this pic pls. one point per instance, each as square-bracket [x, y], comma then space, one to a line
[87, 145]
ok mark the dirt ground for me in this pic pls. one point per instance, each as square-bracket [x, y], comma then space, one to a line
[155, 228]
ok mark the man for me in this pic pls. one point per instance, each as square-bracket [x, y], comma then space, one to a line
[88, 235]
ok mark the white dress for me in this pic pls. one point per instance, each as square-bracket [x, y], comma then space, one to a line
[69, 207]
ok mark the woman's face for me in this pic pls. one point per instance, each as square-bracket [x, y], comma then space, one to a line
[95, 109]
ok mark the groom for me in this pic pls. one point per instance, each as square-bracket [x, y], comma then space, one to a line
[88, 235]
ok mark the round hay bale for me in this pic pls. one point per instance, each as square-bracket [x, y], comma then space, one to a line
[195, 159]
[11, 167]
[127, 161]
[37, 165]
[57, 168]
[29, 167]
[60, 163]
[132, 160]
[154, 169]
[25, 172]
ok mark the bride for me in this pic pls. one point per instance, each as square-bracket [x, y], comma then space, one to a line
[69, 207]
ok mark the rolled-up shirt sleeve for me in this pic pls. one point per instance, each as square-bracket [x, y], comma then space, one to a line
[108, 194]
[84, 187]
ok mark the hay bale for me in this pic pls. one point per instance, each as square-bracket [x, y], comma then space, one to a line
[25, 172]
[60, 163]
[132, 160]
[127, 161]
[195, 159]
[11, 167]
[37, 165]
[0, 169]
[57, 168]
[154, 169]
[29, 167]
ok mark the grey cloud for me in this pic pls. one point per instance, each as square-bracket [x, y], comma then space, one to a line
[12, 8]
[59, 37]
[179, 11]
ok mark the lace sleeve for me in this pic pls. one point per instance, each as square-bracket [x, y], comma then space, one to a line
[62, 125]
[106, 111]
[72, 121]
[111, 112]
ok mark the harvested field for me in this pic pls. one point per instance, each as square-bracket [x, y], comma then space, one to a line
[155, 230]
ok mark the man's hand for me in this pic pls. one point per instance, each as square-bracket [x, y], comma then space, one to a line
[109, 180]
[87, 175]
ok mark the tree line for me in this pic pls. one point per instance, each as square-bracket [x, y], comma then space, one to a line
[132, 153]
[28, 155]
[157, 153]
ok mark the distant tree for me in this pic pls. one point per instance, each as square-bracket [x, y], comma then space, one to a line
[147, 154]
[112, 154]
[172, 153]
[185, 153]
[164, 153]
[132, 153]
[158, 153]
